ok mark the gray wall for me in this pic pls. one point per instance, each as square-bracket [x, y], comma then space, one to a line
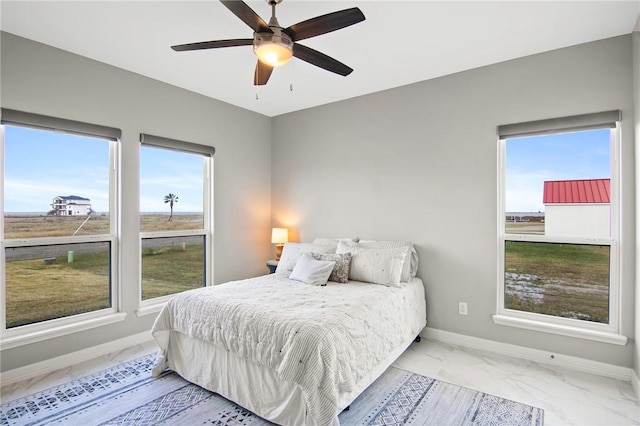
[636, 104]
[41, 79]
[417, 162]
[420, 162]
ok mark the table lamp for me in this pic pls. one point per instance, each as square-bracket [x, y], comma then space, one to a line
[279, 236]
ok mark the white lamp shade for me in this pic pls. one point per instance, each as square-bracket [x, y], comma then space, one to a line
[279, 235]
[273, 54]
[273, 49]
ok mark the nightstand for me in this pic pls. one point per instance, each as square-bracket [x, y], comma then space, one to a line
[272, 265]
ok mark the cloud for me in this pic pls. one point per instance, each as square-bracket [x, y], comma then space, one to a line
[181, 181]
[187, 186]
[524, 190]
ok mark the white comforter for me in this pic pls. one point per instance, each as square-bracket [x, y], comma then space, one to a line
[324, 339]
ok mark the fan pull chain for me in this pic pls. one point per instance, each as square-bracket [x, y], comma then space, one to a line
[291, 81]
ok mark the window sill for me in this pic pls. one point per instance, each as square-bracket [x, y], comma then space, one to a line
[150, 309]
[563, 330]
[13, 339]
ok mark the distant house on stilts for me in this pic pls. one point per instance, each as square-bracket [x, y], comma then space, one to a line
[70, 205]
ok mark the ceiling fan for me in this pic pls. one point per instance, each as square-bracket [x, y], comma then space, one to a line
[274, 45]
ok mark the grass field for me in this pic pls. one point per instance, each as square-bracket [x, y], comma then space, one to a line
[16, 226]
[38, 291]
[566, 280]
[168, 270]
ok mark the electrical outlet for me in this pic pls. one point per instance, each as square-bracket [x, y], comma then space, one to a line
[462, 308]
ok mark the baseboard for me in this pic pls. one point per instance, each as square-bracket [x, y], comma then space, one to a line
[29, 371]
[542, 357]
[635, 382]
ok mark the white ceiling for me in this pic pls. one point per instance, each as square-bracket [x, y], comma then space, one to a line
[399, 43]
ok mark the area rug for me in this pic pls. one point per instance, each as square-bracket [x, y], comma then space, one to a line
[127, 395]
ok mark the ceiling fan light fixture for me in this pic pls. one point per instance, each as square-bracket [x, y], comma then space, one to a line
[275, 45]
[273, 49]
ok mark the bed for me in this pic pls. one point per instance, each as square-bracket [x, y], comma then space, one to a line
[289, 351]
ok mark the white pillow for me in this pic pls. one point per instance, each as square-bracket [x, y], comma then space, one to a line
[409, 269]
[312, 271]
[377, 265]
[333, 242]
[292, 252]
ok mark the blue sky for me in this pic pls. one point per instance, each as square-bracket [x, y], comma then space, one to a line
[162, 172]
[40, 165]
[532, 160]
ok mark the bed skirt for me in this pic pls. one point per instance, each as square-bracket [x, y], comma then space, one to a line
[253, 387]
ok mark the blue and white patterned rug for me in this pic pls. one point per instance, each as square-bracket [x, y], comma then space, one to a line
[127, 395]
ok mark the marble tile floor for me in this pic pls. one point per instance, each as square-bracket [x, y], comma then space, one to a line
[568, 397]
[39, 383]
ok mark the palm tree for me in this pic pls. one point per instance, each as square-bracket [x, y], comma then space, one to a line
[171, 199]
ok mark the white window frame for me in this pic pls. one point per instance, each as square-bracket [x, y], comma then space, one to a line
[31, 333]
[608, 333]
[151, 306]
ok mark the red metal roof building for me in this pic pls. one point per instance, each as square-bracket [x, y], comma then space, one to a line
[582, 191]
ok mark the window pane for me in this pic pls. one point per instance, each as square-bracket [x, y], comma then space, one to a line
[564, 280]
[171, 190]
[559, 185]
[55, 281]
[171, 265]
[55, 184]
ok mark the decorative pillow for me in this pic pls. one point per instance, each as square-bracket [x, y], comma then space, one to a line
[312, 271]
[377, 265]
[340, 273]
[291, 252]
[409, 269]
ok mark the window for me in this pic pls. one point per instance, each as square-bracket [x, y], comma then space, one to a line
[175, 216]
[58, 223]
[558, 226]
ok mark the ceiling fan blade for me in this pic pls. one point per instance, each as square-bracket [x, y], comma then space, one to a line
[324, 24]
[246, 14]
[213, 44]
[320, 60]
[262, 74]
